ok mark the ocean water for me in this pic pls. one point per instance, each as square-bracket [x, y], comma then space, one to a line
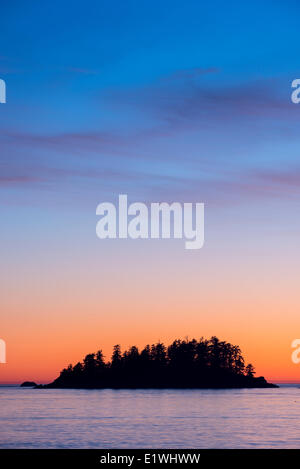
[245, 418]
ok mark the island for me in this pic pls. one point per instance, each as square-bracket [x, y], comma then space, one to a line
[28, 384]
[195, 364]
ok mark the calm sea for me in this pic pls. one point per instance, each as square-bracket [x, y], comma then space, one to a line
[248, 418]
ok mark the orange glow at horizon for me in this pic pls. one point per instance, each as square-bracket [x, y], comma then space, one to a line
[56, 318]
[67, 303]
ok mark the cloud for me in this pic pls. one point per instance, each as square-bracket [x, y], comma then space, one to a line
[197, 104]
[181, 102]
[153, 152]
[186, 101]
[289, 179]
[249, 114]
[15, 179]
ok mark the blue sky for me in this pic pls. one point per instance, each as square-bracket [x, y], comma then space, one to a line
[160, 100]
[151, 93]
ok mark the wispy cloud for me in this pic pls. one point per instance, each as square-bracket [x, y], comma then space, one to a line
[188, 102]
[181, 104]
[286, 178]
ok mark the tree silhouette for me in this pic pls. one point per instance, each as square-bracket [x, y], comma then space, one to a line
[116, 358]
[249, 370]
[183, 364]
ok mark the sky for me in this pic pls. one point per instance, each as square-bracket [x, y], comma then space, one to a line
[162, 101]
